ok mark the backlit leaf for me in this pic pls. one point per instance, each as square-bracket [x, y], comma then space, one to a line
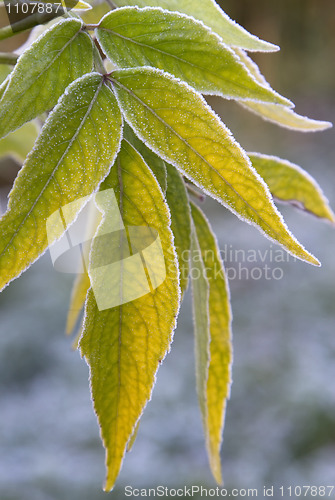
[42, 73]
[176, 123]
[212, 16]
[18, 144]
[220, 359]
[72, 155]
[177, 199]
[277, 113]
[182, 46]
[290, 183]
[125, 344]
[94, 15]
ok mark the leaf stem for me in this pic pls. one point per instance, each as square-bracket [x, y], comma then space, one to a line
[194, 192]
[98, 62]
[8, 58]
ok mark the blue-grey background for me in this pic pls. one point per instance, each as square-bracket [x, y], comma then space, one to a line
[280, 424]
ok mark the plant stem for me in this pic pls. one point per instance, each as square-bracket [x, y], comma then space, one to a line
[28, 23]
[8, 58]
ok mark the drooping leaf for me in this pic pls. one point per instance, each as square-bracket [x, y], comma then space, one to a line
[182, 46]
[277, 113]
[176, 123]
[18, 144]
[72, 155]
[42, 73]
[153, 161]
[212, 16]
[220, 360]
[177, 199]
[200, 296]
[290, 183]
[125, 343]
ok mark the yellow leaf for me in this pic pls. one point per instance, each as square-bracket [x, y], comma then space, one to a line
[277, 113]
[176, 123]
[18, 144]
[125, 344]
[290, 183]
[177, 199]
[220, 359]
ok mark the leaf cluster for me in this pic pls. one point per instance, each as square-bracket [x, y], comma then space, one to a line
[120, 99]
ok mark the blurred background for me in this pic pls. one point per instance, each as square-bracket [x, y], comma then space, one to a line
[280, 423]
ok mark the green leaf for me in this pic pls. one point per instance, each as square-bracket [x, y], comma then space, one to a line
[182, 46]
[212, 16]
[18, 144]
[290, 183]
[153, 161]
[277, 113]
[72, 155]
[177, 199]
[219, 321]
[43, 72]
[200, 296]
[177, 124]
[124, 345]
